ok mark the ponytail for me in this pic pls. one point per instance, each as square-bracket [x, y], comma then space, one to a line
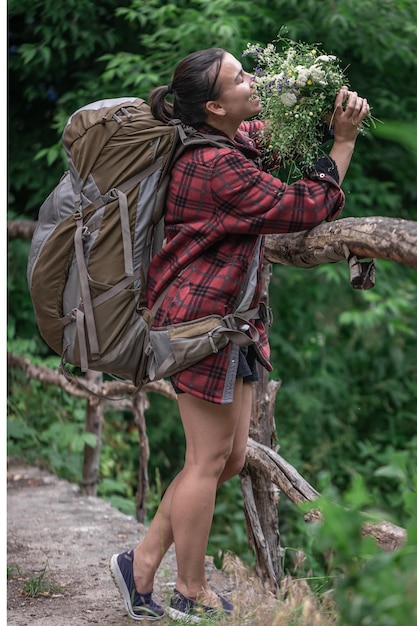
[161, 109]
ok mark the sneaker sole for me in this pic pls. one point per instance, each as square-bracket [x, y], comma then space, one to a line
[119, 581]
[184, 617]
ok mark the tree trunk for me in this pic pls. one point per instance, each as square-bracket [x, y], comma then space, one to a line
[94, 422]
[260, 495]
[139, 406]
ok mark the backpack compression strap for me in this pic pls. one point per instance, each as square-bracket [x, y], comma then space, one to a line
[87, 314]
[85, 288]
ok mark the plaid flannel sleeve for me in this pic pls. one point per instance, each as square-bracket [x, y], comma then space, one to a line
[256, 202]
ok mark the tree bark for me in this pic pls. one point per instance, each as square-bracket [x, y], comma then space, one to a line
[93, 424]
[109, 391]
[260, 495]
[279, 472]
[371, 237]
[139, 406]
[21, 229]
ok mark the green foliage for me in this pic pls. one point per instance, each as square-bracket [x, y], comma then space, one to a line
[46, 426]
[371, 586]
[168, 31]
[62, 57]
[401, 132]
[53, 66]
[20, 320]
[350, 395]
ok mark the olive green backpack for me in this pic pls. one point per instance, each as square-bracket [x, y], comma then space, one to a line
[97, 233]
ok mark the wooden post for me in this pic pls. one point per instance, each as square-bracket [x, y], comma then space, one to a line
[260, 495]
[139, 406]
[94, 423]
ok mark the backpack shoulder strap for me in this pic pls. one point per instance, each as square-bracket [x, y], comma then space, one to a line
[189, 136]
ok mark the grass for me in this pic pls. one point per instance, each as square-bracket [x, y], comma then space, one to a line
[255, 606]
[35, 586]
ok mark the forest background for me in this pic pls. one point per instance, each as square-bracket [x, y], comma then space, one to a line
[346, 411]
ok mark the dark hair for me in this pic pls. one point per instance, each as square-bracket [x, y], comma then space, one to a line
[193, 84]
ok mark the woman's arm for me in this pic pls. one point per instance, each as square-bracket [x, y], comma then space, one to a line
[350, 111]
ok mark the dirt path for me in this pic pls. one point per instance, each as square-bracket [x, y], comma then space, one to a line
[53, 528]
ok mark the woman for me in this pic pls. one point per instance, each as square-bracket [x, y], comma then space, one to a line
[219, 205]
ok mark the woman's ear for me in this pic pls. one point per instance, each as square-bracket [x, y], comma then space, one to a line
[215, 108]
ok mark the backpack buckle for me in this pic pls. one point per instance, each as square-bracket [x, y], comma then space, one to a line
[235, 323]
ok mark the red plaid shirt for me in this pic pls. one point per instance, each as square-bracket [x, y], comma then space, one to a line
[218, 203]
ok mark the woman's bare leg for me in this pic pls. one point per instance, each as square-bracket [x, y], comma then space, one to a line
[216, 437]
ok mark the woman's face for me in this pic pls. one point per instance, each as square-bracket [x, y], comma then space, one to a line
[237, 100]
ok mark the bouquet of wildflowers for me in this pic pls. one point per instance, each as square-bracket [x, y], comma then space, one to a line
[297, 88]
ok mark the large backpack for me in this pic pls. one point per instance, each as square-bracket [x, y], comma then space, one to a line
[98, 231]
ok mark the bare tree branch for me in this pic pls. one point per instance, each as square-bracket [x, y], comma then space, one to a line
[280, 472]
[374, 237]
[109, 391]
[21, 229]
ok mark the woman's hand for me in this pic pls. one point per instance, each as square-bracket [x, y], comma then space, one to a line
[349, 112]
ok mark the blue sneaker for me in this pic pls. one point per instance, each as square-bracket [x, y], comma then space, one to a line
[138, 605]
[182, 608]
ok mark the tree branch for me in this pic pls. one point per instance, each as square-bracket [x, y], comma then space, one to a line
[371, 237]
[109, 391]
[280, 472]
[21, 229]
[297, 489]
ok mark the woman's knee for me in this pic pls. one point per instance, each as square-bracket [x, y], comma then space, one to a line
[207, 463]
[234, 464]
[226, 460]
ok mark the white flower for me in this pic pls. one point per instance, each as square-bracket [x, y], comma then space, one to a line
[326, 57]
[318, 74]
[303, 74]
[288, 99]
